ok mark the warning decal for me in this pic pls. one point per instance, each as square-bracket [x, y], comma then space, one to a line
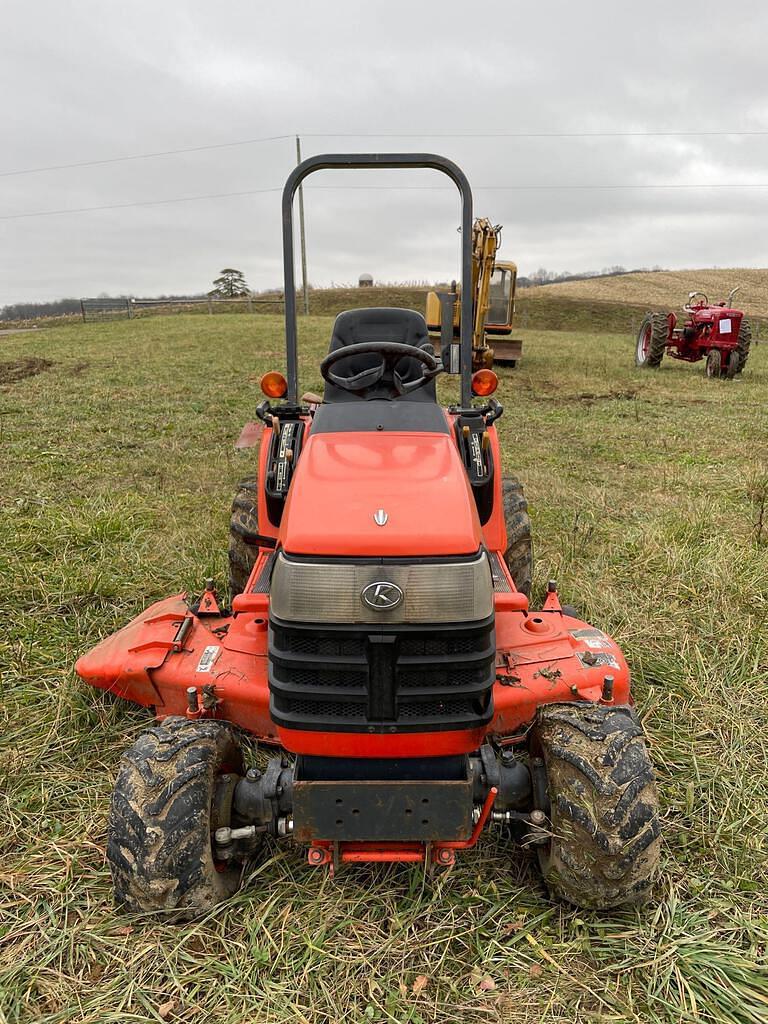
[207, 658]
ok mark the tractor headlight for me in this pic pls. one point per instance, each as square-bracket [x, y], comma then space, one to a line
[346, 592]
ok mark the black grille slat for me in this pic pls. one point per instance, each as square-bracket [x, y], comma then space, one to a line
[423, 646]
[400, 678]
[501, 584]
[469, 679]
[298, 681]
[309, 709]
[293, 642]
[261, 586]
[438, 709]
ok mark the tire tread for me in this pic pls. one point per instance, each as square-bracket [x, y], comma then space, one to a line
[604, 811]
[519, 553]
[159, 843]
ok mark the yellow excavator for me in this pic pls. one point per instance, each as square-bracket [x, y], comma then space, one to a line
[493, 301]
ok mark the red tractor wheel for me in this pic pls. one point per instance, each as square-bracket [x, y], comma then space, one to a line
[651, 340]
[732, 366]
[714, 363]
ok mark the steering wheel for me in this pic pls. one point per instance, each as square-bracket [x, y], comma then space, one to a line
[688, 307]
[391, 352]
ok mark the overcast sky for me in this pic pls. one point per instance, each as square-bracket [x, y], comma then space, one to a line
[86, 81]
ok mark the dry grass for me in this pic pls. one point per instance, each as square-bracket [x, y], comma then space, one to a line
[666, 289]
[648, 497]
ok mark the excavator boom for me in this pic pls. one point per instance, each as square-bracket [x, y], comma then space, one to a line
[493, 300]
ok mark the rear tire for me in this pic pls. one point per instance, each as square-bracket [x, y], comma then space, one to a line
[243, 535]
[519, 553]
[161, 819]
[745, 340]
[651, 340]
[604, 849]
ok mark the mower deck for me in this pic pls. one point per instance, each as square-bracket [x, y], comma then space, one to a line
[168, 650]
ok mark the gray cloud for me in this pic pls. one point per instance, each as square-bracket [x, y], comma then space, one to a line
[98, 80]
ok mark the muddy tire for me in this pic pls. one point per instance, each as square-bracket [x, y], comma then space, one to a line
[651, 341]
[745, 340]
[519, 553]
[161, 819]
[243, 535]
[714, 365]
[732, 366]
[604, 811]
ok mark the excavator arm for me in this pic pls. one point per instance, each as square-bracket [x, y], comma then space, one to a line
[493, 299]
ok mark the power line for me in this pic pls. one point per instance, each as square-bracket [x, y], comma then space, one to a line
[143, 202]
[388, 135]
[525, 188]
[143, 156]
[375, 188]
[523, 135]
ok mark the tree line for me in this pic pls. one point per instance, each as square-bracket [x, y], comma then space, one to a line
[544, 276]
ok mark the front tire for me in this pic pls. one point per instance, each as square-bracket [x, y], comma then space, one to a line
[714, 365]
[162, 817]
[732, 366]
[651, 340]
[519, 553]
[604, 847]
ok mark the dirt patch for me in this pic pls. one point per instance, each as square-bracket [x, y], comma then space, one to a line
[19, 369]
[588, 396]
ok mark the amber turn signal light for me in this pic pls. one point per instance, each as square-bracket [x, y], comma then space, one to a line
[484, 382]
[274, 384]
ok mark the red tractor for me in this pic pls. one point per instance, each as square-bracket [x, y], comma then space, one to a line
[379, 634]
[717, 333]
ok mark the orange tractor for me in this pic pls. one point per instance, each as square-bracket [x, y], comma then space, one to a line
[379, 634]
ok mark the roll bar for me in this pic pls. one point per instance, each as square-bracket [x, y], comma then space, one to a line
[346, 161]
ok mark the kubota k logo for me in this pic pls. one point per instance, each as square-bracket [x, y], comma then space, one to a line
[382, 597]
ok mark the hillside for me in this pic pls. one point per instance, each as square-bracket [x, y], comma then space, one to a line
[549, 312]
[664, 288]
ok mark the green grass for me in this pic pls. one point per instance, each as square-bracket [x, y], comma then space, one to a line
[646, 494]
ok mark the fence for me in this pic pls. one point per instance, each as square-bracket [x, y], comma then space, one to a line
[93, 310]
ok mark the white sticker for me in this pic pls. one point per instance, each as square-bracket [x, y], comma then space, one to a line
[208, 657]
[596, 643]
[725, 326]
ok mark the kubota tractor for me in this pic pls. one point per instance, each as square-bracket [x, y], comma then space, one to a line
[717, 333]
[380, 636]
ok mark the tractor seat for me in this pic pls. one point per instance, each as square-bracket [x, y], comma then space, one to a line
[356, 326]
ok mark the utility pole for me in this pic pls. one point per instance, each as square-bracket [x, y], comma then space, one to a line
[304, 286]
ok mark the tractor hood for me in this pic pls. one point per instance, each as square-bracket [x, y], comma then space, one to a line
[388, 494]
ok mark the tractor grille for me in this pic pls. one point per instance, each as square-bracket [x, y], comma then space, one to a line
[404, 679]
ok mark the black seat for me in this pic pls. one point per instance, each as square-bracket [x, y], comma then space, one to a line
[356, 326]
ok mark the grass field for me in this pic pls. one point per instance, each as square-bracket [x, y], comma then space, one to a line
[649, 501]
